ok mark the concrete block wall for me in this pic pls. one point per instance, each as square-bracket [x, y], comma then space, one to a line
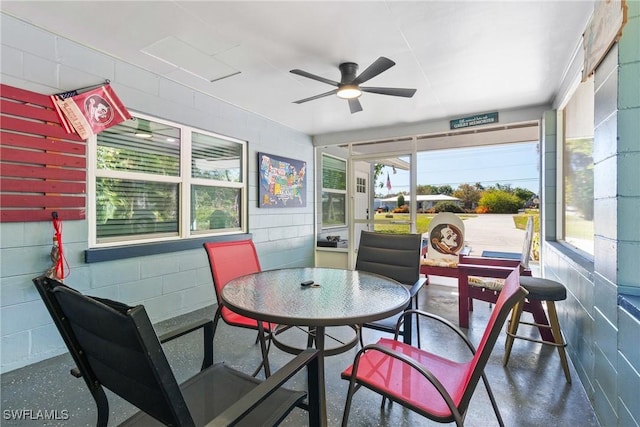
[605, 171]
[603, 337]
[170, 284]
[628, 198]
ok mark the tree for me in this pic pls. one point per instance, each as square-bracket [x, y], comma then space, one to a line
[400, 200]
[469, 195]
[579, 189]
[498, 201]
[446, 206]
[445, 189]
[377, 171]
[425, 190]
[523, 194]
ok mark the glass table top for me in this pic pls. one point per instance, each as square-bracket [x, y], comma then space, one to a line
[337, 297]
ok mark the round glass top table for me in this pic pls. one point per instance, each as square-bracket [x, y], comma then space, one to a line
[336, 298]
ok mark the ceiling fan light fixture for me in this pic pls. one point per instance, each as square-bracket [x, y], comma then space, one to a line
[349, 92]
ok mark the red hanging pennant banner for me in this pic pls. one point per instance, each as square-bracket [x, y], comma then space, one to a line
[90, 112]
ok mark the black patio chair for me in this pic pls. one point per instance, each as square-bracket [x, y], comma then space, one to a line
[115, 346]
[396, 256]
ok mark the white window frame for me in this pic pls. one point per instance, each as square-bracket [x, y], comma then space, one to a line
[560, 176]
[184, 181]
[335, 191]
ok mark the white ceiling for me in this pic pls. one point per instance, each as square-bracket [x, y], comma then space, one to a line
[462, 57]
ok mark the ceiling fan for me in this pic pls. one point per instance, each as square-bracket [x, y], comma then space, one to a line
[349, 86]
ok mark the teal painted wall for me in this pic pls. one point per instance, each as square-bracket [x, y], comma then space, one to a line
[603, 337]
[168, 285]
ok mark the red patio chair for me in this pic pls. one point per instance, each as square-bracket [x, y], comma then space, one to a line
[431, 385]
[229, 260]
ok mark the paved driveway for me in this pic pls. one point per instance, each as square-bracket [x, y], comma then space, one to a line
[493, 232]
[488, 232]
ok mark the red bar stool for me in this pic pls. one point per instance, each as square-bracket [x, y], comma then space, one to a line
[548, 291]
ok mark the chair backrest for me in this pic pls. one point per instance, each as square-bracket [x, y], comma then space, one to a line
[509, 296]
[229, 260]
[115, 346]
[526, 245]
[396, 256]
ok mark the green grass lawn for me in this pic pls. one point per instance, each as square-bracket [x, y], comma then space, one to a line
[422, 225]
[423, 220]
[520, 220]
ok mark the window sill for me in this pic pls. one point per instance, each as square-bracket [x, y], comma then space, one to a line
[630, 303]
[580, 261]
[144, 249]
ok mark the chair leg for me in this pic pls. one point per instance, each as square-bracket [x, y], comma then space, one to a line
[103, 405]
[208, 332]
[347, 405]
[493, 400]
[264, 350]
[418, 322]
[311, 337]
[557, 336]
[553, 325]
[407, 330]
[512, 330]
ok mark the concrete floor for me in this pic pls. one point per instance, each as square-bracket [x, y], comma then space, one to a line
[531, 391]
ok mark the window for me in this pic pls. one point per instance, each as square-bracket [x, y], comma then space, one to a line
[156, 180]
[577, 169]
[334, 192]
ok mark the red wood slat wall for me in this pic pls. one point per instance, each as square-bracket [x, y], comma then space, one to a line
[43, 169]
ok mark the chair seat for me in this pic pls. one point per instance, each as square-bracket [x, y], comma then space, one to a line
[235, 319]
[543, 289]
[394, 378]
[206, 401]
[486, 282]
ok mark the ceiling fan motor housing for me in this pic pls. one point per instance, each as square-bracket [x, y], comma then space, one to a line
[348, 72]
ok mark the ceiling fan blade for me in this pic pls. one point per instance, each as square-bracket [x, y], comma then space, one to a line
[393, 91]
[314, 77]
[354, 105]
[380, 65]
[322, 95]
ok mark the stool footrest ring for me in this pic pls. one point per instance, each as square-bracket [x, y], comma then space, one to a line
[555, 344]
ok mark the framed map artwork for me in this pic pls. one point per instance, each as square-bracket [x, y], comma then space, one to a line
[282, 182]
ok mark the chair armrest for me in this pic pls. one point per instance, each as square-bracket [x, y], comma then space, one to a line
[308, 358]
[183, 330]
[415, 288]
[207, 331]
[438, 319]
[416, 366]
[485, 270]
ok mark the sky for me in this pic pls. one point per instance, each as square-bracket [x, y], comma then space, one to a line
[515, 164]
